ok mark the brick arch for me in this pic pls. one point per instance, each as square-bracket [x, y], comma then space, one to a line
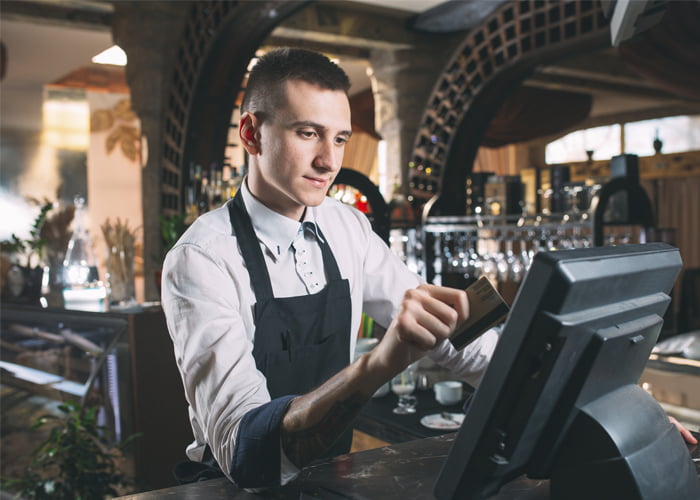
[219, 39]
[491, 62]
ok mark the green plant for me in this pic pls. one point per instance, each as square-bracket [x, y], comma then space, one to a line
[74, 462]
[171, 228]
[30, 249]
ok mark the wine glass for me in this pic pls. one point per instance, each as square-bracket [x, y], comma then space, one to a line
[516, 265]
[403, 385]
[472, 262]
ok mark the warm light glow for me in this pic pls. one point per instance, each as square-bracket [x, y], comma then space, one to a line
[252, 63]
[66, 124]
[113, 55]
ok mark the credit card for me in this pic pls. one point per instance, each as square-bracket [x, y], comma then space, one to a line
[486, 309]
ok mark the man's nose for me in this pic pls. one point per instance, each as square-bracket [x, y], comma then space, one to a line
[329, 156]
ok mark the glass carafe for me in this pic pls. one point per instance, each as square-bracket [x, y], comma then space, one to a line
[81, 286]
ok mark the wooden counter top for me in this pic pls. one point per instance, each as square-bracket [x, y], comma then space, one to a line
[405, 470]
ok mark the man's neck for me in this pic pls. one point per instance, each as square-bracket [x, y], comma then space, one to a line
[262, 201]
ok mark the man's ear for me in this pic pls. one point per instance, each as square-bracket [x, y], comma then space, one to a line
[248, 133]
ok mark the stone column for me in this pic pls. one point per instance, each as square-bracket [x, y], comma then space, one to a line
[402, 81]
[150, 34]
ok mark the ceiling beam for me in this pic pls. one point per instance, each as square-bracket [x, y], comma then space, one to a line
[589, 83]
[650, 113]
[85, 14]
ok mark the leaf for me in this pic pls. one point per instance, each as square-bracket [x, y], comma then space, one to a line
[74, 461]
[123, 111]
[101, 120]
[112, 140]
[130, 149]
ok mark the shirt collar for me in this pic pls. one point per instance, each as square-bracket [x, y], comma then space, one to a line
[274, 230]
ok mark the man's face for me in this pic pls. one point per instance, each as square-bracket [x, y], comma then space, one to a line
[300, 149]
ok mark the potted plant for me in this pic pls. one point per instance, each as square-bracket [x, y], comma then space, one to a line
[29, 264]
[75, 461]
[23, 267]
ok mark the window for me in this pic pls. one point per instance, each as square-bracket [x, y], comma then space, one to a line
[676, 133]
[599, 142]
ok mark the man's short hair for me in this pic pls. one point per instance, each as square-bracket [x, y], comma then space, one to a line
[265, 88]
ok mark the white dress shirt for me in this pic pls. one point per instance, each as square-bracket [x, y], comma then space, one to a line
[208, 302]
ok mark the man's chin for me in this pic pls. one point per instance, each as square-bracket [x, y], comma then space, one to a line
[314, 201]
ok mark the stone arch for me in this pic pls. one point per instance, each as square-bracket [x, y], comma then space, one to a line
[492, 61]
[219, 39]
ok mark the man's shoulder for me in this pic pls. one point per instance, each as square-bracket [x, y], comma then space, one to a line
[208, 227]
[332, 210]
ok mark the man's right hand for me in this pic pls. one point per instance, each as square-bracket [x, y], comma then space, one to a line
[428, 315]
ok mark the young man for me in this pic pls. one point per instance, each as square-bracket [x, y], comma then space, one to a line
[264, 296]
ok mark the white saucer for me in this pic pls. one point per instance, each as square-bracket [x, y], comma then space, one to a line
[439, 423]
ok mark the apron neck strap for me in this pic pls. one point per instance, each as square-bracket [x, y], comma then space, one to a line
[250, 248]
[329, 262]
[253, 256]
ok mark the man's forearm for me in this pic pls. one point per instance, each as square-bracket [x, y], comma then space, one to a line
[315, 420]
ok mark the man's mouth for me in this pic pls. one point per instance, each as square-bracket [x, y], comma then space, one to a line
[318, 181]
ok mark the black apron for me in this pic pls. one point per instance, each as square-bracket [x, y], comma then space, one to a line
[300, 342]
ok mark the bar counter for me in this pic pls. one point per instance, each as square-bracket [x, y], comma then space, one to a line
[401, 471]
[378, 420]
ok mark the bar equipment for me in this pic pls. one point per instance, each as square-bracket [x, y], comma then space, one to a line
[503, 195]
[621, 204]
[476, 191]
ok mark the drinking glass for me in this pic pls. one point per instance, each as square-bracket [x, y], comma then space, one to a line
[516, 265]
[472, 263]
[489, 267]
[403, 386]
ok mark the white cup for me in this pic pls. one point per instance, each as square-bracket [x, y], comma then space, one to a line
[448, 392]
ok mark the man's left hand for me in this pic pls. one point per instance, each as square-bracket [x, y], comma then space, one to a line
[687, 435]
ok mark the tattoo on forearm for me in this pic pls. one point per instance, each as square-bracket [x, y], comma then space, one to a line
[309, 443]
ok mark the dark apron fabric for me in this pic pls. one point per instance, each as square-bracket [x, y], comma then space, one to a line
[300, 342]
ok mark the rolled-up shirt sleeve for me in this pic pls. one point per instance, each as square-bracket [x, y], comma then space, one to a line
[229, 402]
[471, 362]
[257, 453]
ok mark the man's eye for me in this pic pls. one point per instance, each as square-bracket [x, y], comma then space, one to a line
[308, 134]
[341, 141]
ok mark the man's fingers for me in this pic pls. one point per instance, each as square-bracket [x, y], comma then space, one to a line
[422, 330]
[430, 314]
[444, 302]
[687, 435]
